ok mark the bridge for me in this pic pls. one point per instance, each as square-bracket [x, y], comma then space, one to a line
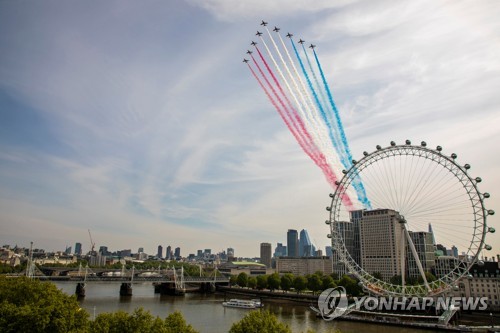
[169, 281]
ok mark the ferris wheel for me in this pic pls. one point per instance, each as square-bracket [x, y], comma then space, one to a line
[423, 203]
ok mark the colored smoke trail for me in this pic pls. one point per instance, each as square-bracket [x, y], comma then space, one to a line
[311, 117]
[358, 185]
[316, 156]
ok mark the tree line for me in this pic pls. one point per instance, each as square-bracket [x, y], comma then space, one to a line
[289, 282]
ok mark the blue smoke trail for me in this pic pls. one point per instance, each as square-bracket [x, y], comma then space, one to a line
[357, 184]
[336, 144]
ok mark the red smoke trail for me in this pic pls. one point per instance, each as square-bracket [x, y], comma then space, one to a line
[312, 151]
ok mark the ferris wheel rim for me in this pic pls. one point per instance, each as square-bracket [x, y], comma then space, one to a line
[468, 183]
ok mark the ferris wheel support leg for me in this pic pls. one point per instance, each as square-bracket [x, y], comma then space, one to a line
[417, 259]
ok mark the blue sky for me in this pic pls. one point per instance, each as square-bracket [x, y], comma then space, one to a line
[138, 120]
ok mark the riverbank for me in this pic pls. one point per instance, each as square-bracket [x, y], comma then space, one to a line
[304, 299]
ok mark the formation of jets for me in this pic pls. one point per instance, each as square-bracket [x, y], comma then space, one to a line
[276, 29]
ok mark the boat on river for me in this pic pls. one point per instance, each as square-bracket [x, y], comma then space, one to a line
[243, 303]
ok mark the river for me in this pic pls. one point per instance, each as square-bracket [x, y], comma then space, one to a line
[206, 313]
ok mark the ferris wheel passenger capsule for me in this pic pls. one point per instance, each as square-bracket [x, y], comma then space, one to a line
[453, 156]
[379, 147]
[365, 153]
[329, 235]
[491, 230]
[393, 143]
[486, 195]
[331, 195]
[328, 208]
[408, 142]
[354, 162]
[480, 263]
[488, 247]
[491, 212]
[439, 148]
[467, 166]
[478, 179]
[423, 144]
[327, 222]
[469, 276]
[344, 171]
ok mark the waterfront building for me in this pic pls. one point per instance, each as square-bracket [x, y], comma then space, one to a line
[303, 265]
[78, 249]
[381, 242]
[306, 248]
[444, 265]
[98, 260]
[250, 268]
[292, 238]
[483, 281]
[159, 254]
[265, 254]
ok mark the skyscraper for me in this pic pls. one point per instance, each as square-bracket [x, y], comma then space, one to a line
[280, 250]
[306, 248]
[160, 251]
[292, 240]
[177, 253]
[423, 242]
[230, 254]
[168, 254]
[265, 254]
[78, 248]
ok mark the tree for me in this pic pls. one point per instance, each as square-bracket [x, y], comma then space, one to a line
[259, 321]
[274, 281]
[287, 281]
[377, 275]
[328, 282]
[33, 306]
[428, 276]
[242, 279]
[300, 283]
[261, 282]
[233, 280]
[396, 279]
[140, 321]
[252, 282]
[351, 286]
[314, 283]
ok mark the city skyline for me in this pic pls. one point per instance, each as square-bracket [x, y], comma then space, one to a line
[140, 123]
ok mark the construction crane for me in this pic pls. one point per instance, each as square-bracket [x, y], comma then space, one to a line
[91, 242]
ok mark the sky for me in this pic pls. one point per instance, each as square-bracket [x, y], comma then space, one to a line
[138, 120]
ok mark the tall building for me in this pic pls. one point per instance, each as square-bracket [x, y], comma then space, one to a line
[432, 232]
[160, 251]
[199, 253]
[78, 248]
[168, 254]
[380, 240]
[306, 248]
[140, 250]
[280, 250]
[454, 251]
[292, 240]
[68, 250]
[103, 250]
[177, 253]
[328, 251]
[347, 231]
[230, 254]
[265, 254]
[426, 252]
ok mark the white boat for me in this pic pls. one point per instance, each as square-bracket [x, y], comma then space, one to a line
[243, 303]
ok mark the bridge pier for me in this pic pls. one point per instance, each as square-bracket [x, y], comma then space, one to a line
[126, 289]
[80, 290]
[207, 287]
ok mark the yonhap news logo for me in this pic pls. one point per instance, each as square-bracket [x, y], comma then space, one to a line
[332, 303]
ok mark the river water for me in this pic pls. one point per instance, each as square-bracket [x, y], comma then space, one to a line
[206, 313]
